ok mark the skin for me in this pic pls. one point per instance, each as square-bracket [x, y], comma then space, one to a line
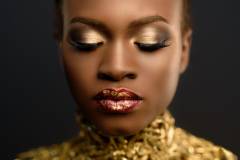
[118, 62]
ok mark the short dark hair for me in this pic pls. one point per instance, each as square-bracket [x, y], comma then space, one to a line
[58, 33]
[187, 15]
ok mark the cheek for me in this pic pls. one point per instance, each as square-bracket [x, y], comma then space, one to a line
[164, 73]
[80, 73]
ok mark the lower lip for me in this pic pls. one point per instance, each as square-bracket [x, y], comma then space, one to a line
[120, 106]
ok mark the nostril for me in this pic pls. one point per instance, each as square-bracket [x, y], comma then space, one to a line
[115, 77]
[105, 76]
[131, 76]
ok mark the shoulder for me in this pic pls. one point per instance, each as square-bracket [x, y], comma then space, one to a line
[199, 148]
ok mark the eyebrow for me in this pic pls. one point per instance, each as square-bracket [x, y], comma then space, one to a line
[91, 22]
[134, 24]
[147, 20]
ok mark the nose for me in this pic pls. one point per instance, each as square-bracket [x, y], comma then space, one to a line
[117, 64]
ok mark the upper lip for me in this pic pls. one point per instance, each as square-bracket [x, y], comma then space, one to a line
[117, 94]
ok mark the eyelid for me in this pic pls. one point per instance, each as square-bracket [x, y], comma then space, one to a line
[92, 37]
[85, 40]
[150, 40]
[150, 35]
[85, 47]
[151, 47]
[85, 36]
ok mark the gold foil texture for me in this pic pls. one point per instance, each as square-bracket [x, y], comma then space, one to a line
[161, 140]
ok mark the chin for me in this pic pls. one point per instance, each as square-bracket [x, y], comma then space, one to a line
[120, 126]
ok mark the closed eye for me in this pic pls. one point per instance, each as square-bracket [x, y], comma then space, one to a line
[151, 47]
[85, 47]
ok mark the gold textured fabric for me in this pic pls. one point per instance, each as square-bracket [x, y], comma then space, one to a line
[161, 140]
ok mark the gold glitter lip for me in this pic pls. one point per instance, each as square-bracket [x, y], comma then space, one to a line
[120, 100]
[117, 94]
[121, 106]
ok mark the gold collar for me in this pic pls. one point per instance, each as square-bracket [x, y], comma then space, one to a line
[151, 142]
[160, 140]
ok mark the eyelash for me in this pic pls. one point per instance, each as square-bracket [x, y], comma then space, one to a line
[88, 47]
[151, 47]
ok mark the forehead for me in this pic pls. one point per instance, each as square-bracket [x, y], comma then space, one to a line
[121, 12]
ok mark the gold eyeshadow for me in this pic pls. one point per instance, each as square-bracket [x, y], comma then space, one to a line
[85, 36]
[150, 35]
[147, 35]
[91, 37]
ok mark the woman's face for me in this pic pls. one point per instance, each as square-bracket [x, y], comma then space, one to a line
[132, 44]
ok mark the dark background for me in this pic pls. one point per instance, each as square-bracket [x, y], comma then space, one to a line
[36, 105]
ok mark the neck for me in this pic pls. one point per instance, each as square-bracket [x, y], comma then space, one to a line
[156, 137]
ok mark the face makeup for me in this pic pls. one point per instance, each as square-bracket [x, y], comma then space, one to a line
[150, 35]
[104, 50]
[151, 39]
[85, 39]
[120, 100]
[85, 36]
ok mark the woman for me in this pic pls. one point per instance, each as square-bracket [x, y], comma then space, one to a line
[123, 60]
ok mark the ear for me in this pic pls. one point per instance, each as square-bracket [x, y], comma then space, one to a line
[186, 46]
